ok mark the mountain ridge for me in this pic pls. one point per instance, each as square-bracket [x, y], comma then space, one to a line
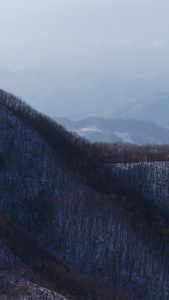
[98, 129]
[150, 109]
[76, 209]
[86, 93]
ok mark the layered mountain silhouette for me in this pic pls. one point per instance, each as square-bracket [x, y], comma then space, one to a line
[97, 129]
[67, 221]
[154, 109]
[91, 93]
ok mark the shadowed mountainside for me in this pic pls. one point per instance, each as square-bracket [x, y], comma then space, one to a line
[59, 196]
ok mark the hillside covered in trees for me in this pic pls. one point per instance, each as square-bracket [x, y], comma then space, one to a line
[68, 222]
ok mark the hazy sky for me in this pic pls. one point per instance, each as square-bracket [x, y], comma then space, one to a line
[44, 33]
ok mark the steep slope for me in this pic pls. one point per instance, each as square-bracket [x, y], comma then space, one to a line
[54, 187]
[98, 129]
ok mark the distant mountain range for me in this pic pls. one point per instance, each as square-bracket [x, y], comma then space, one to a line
[91, 93]
[153, 109]
[98, 129]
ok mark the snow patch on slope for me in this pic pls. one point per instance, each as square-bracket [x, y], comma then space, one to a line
[84, 131]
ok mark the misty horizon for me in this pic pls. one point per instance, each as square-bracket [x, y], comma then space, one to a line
[78, 58]
[92, 35]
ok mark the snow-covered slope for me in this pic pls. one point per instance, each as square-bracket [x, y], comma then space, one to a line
[27, 291]
[14, 275]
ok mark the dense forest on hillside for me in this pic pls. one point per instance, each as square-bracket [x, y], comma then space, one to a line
[130, 153]
[90, 235]
[150, 179]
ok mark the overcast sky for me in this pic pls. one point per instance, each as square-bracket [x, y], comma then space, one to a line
[45, 33]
